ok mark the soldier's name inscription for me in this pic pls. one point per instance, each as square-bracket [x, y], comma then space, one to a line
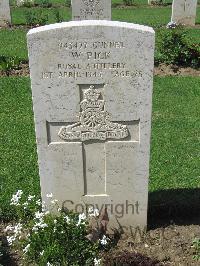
[91, 55]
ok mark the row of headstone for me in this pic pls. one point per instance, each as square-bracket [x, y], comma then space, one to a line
[183, 11]
[92, 94]
[5, 17]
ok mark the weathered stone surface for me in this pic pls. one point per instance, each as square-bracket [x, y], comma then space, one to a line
[184, 12]
[91, 9]
[4, 13]
[92, 96]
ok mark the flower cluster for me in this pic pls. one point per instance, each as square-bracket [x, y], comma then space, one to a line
[97, 261]
[16, 230]
[81, 219]
[39, 221]
[104, 240]
[24, 2]
[16, 198]
[43, 235]
[93, 212]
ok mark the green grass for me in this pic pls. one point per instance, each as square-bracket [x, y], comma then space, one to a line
[18, 166]
[13, 43]
[20, 16]
[175, 135]
[174, 147]
[154, 17]
[143, 15]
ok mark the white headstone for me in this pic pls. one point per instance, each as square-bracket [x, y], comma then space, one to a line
[4, 13]
[92, 97]
[91, 9]
[184, 12]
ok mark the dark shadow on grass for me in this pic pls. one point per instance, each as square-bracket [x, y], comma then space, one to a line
[178, 206]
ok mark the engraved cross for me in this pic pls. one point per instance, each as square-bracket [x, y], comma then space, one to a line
[94, 129]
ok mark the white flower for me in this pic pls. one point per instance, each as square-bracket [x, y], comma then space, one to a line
[16, 197]
[49, 264]
[59, 209]
[82, 216]
[67, 219]
[25, 204]
[96, 212]
[22, 2]
[55, 221]
[39, 215]
[104, 241]
[31, 197]
[49, 195]
[81, 219]
[10, 240]
[54, 201]
[38, 202]
[47, 212]
[97, 262]
[93, 212]
[41, 253]
[40, 225]
[17, 229]
[44, 207]
[35, 229]
[8, 228]
[90, 210]
[25, 250]
[43, 225]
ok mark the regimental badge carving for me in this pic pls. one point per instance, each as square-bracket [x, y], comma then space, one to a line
[91, 3]
[94, 122]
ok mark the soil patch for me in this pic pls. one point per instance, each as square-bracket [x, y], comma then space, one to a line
[22, 70]
[171, 70]
[171, 245]
[8, 257]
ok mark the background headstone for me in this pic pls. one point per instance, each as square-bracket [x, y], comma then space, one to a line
[91, 9]
[184, 12]
[5, 17]
[92, 95]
